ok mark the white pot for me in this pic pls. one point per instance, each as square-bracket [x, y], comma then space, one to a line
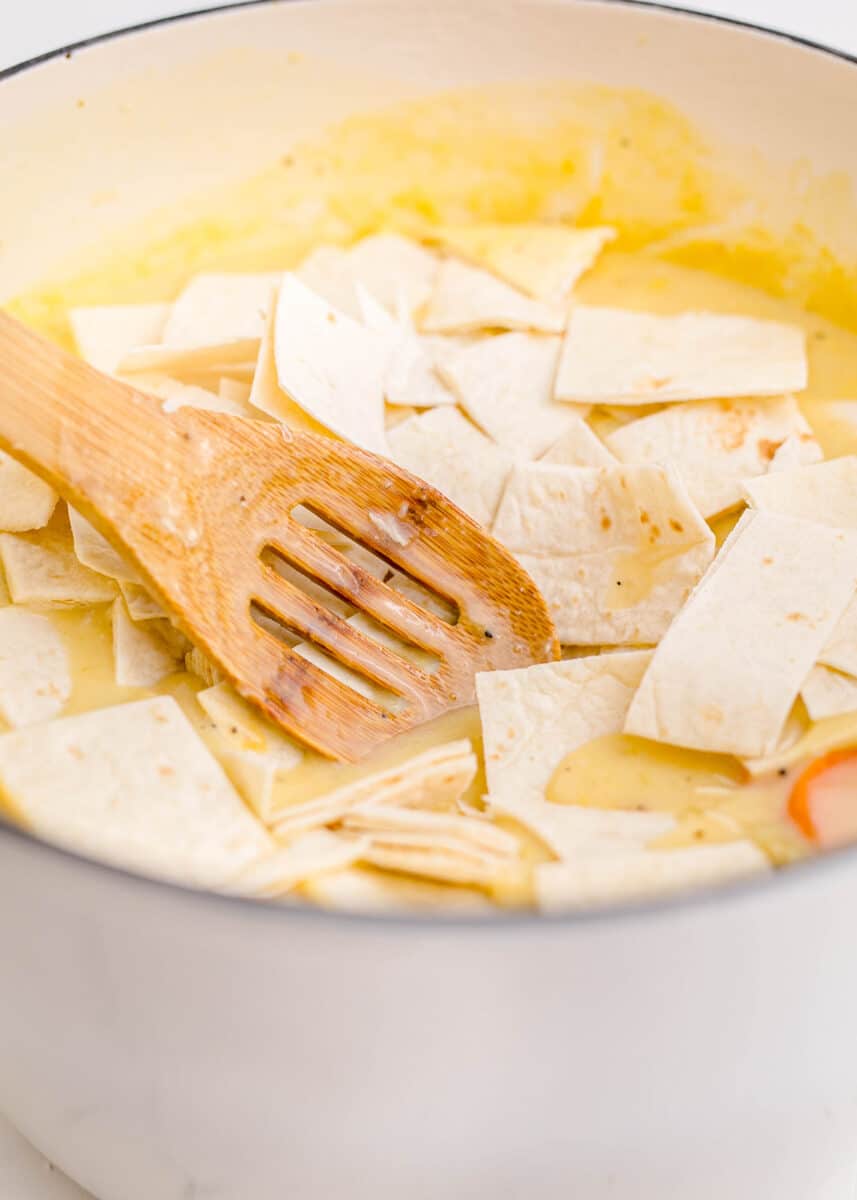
[159, 1044]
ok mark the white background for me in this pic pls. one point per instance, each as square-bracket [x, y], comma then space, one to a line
[31, 27]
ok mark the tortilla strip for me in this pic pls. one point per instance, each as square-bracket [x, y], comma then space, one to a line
[35, 675]
[825, 492]
[644, 874]
[840, 652]
[330, 366]
[288, 866]
[505, 385]
[533, 717]
[828, 693]
[543, 260]
[132, 784]
[94, 551]
[731, 666]
[611, 356]
[570, 831]
[176, 395]
[26, 502]
[434, 779]
[368, 891]
[106, 333]
[716, 444]
[223, 359]
[215, 309]
[140, 604]
[42, 570]
[579, 446]
[379, 819]
[442, 447]
[446, 860]
[411, 379]
[141, 657]
[397, 272]
[467, 299]
[615, 551]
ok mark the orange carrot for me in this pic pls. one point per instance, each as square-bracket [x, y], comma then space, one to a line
[801, 799]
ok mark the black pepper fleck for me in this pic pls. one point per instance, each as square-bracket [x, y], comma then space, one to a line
[783, 771]
[488, 633]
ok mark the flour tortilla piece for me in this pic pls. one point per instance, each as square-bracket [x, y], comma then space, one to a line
[26, 502]
[825, 492]
[505, 385]
[571, 832]
[411, 380]
[611, 356]
[134, 785]
[533, 717]
[235, 393]
[643, 875]
[42, 570]
[467, 299]
[716, 444]
[141, 657]
[544, 261]
[256, 754]
[216, 309]
[94, 551]
[106, 333]
[579, 446]
[429, 600]
[615, 551]
[141, 605]
[376, 820]
[215, 361]
[328, 272]
[286, 867]
[828, 693]
[442, 447]
[267, 396]
[435, 779]
[330, 366]
[175, 395]
[35, 674]
[796, 451]
[729, 669]
[368, 891]
[396, 271]
[447, 860]
[840, 651]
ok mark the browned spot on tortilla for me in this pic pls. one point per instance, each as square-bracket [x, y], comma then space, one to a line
[733, 426]
[644, 517]
[767, 560]
[676, 525]
[606, 523]
[797, 616]
[654, 533]
[767, 448]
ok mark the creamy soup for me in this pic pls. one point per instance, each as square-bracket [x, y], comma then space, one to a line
[432, 828]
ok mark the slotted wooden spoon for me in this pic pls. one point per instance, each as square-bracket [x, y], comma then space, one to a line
[194, 498]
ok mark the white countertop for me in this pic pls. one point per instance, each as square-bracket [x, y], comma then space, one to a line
[38, 26]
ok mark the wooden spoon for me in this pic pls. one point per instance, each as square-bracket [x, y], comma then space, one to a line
[194, 498]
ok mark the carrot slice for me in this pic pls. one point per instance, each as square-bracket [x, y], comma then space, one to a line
[810, 790]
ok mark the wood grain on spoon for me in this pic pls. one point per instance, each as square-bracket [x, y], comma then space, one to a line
[194, 498]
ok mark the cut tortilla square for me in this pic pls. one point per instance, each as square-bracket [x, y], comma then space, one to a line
[216, 309]
[715, 445]
[731, 666]
[571, 832]
[615, 551]
[176, 395]
[442, 447]
[611, 356]
[579, 446]
[543, 260]
[644, 874]
[332, 367]
[840, 651]
[141, 657]
[142, 606]
[534, 716]
[42, 570]
[133, 785]
[825, 492]
[397, 272]
[328, 272]
[411, 380]
[467, 299]
[796, 451]
[379, 819]
[26, 502]
[267, 396]
[368, 891]
[828, 693]
[35, 674]
[307, 856]
[447, 860]
[435, 779]
[190, 362]
[95, 552]
[106, 333]
[505, 385]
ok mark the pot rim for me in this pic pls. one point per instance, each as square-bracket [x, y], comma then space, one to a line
[797, 874]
